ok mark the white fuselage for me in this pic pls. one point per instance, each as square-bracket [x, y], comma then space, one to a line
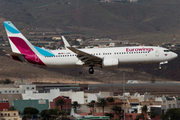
[126, 55]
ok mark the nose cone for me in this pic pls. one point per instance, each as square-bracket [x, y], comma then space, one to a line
[174, 55]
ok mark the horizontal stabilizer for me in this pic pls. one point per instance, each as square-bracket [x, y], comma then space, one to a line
[13, 53]
[16, 56]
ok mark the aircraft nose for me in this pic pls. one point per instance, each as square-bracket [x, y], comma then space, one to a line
[174, 55]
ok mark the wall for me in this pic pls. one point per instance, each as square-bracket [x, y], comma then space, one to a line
[66, 107]
[40, 104]
[50, 96]
[4, 105]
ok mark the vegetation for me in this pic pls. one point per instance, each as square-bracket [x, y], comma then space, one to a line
[75, 105]
[51, 113]
[7, 81]
[91, 105]
[117, 110]
[110, 99]
[144, 111]
[11, 108]
[29, 111]
[60, 102]
[102, 103]
[109, 114]
[172, 114]
[152, 114]
[140, 116]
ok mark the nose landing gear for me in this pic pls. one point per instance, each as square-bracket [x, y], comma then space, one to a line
[91, 70]
[159, 66]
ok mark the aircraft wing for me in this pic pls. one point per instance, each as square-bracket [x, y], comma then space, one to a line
[87, 58]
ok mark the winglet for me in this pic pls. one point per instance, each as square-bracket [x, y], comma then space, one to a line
[66, 44]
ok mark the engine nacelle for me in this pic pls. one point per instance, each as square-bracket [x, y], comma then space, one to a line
[110, 62]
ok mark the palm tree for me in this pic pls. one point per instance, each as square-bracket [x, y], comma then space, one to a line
[75, 105]
[60, 102]
[152, 114]
[144, 109]
[91, 105]
[117, 110]
[102, 103]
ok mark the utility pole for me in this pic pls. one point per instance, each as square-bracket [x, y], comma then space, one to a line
[124, 95]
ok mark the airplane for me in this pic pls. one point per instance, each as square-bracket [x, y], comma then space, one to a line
[24, 51]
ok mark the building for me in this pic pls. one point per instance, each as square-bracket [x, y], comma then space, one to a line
[134, 102]
[9, 115]
[168, 102]
[56, 38]
[40, 104]
[42, 88]
[74, 96]
[21, 82]
[9, 89]
[108, 108]
[65, 107]
[10, 97]
[4, 105]
[96, 96]
[35, 96]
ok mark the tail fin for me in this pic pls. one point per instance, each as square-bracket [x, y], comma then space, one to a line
[19, 44]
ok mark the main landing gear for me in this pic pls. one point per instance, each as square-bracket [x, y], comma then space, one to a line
[91, 70]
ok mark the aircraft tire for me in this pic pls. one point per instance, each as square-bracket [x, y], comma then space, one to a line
[91, 70]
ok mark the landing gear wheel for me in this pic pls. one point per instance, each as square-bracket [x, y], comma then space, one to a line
[91, 70]
[159, 66]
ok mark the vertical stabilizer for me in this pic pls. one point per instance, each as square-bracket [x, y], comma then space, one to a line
[18, 43]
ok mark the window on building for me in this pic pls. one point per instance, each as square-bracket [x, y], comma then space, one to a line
[9, 91]
[28, 88]
[1, 114]
[8, 114]
[14, 114]
[5, 114]
[173, 105]
[169, 106]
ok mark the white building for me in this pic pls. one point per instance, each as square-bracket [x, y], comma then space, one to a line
[11, 91]
[27, 88]
[96, 96]
[33, 95]
[74, 96]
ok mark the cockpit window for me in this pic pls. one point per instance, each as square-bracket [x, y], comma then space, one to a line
[166, 50]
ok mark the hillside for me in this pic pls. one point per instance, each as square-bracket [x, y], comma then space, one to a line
[146, 21]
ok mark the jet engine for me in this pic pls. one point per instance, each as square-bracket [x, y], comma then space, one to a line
[110, 62]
